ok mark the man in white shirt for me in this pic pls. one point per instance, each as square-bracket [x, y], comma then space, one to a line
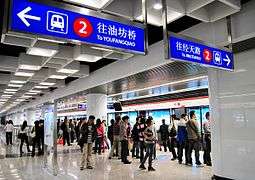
[9, 129]
[173, 135]
[207, 138]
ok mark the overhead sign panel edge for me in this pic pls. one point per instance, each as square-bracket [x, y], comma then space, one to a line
[50, 21]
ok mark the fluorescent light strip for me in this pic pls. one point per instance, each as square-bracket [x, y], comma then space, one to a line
[24, 74]
[171, 83]
[35, 91]
[17, 82]
[68, 71]
[58, 77]
[47, 84]
[15, 85]
[11, 90]
[29, 67]
[41, 87]
[41, 52]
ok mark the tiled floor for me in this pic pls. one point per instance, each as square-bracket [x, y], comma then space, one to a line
[28, 168]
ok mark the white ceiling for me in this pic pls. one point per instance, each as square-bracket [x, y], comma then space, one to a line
[50, 61]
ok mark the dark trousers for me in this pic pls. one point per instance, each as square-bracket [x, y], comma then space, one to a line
[66, 139]
[149, 153]
[24, 138]
[193, 144]
[207, 149]
[135, 150]
[98, 144]
[72, 136]
[182, 146]
[9, 138]
[36, 142]
[142, 148]
[172, 147]
[166, 144]
[124, 150]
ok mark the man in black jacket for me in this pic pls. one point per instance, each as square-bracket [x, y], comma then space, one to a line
[164, 133]
[88, 132]
[135, 137]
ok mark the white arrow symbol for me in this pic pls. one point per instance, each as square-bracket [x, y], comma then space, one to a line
[227, 60]
[23, 16]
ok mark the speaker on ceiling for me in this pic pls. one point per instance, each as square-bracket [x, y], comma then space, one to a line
[117, 106]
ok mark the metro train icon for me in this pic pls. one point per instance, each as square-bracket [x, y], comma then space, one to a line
[57, 22]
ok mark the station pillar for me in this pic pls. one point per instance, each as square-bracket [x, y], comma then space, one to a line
[97, 105]
[232, 107]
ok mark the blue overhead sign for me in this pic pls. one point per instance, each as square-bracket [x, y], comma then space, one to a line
[40, 19]
[191, 51]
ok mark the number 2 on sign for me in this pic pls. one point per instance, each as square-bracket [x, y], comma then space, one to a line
[82, 27]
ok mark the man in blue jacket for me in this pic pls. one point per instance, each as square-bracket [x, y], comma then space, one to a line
[182, 138]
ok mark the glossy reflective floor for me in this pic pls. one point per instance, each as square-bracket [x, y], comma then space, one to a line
[28, 168]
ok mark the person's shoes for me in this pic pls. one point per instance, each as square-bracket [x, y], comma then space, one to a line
[180, 162]
[109, 157]
[89, 167]
[99, 153]
[137, 157]
[199, 164]
[188, 164]
[173, 159]
[209, 164]
[81, 168]
[151, 169]
[142, 167]
[126, 162]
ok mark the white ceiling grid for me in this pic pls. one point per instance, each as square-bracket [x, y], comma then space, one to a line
[48, 62]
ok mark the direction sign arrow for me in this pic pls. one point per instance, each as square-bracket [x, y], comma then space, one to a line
[227, 59]
[24, 16]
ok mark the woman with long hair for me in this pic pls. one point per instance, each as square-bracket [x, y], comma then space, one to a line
[24, 137]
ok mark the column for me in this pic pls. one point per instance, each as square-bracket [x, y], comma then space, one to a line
[97, 105]
[232, 103]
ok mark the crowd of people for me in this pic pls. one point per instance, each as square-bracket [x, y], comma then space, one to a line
[141, 140]
[182, 134]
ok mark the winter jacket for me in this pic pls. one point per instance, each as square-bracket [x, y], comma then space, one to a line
[85, 131]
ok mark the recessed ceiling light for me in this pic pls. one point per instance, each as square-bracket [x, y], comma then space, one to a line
[47, 83]
[29, 67]
[41, 52]
[25, 96]
[58, 77]
[20, 100]
[157, 6]
[7, 95]
[25, 74]
[6, 92]
[41, 87]
[17, 82]
[68, 71]
[87, 58]
[35, 91]
[11, 90]
[3, 100]
[31, 93]
[15, 85]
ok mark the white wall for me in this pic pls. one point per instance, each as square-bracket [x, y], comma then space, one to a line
[232, 102]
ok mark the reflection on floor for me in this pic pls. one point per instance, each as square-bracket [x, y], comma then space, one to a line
[28, 168]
